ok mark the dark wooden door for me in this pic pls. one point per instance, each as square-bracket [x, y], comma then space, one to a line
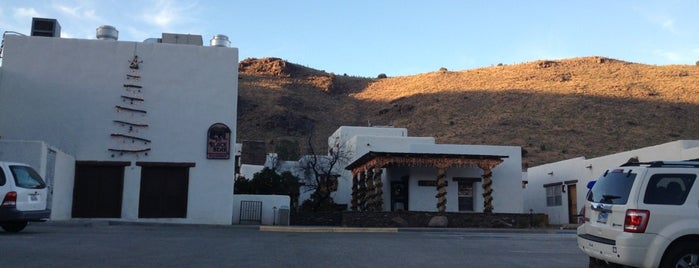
[97, 191]
[163, 192]
[399, 195]
[572, 204]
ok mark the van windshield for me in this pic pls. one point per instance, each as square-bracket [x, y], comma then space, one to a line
[26, 177]
[614, 188]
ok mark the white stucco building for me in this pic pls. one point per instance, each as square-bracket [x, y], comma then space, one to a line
[387, 170]
[558, 188]
[150, 125]
[413, 186]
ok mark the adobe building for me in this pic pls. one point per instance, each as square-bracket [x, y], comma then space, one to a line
[559, 189]
[149, 126]
[384, 169]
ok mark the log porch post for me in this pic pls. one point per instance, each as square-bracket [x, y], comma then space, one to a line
[378, 184]
[371, 190]
[441, 190]
[362, 191]
[487, 188]
[355, 191]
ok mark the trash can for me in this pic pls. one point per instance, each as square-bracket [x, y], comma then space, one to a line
[284, 216]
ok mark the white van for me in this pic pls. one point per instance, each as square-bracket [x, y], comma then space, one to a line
[23, 194]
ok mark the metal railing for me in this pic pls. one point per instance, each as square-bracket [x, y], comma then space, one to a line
[250, 212]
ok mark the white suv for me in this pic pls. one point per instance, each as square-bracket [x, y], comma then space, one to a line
[23, 195]
[643, 215]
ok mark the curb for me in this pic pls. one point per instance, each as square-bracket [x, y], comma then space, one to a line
[105, 223]
[295, 229]
[76, 223]
[310, 229]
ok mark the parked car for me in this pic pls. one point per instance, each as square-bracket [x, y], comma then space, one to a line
[23, 194]
[643, 215]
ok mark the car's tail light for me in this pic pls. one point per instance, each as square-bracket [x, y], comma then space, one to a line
[636, 221]
[10, 199]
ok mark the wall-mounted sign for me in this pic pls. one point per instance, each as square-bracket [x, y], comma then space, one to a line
[218, 145]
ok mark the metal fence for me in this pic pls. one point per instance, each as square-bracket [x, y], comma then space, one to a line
[250, 212]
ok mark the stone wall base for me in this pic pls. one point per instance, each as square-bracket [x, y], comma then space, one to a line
[418, 219]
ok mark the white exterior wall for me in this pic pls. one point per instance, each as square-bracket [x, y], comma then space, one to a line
[568, 170]
[248, 171]
[66, 91]
[585, 170]
[507, 176]
[270, 207]
[422, 198]
[32, 153]
[344, 133]
[358, 146]
[58, 175]
[62, 191]
[690, 153]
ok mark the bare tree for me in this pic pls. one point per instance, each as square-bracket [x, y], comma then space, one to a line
[320, 173]
[272, 162]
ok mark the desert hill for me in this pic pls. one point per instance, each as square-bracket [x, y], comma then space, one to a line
[553, 109]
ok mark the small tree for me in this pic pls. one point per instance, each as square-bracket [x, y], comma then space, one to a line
[320, 176]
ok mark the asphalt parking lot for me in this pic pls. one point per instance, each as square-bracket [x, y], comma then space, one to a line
[146, 245]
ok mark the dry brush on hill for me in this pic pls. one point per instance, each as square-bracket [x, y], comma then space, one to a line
[554, 110]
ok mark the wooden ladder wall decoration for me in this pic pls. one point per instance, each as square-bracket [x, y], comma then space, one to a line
[130, 110]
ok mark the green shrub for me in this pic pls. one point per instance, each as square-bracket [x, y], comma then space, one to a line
[269, 182]
[315, 205]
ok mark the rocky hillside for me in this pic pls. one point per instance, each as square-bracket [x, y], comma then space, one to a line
[554, 110]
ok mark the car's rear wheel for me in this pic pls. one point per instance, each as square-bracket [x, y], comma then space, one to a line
[13, 226]
[684, 254]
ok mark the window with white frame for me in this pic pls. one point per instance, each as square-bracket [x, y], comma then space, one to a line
[467, 193]
[553, 195]
[465, 196]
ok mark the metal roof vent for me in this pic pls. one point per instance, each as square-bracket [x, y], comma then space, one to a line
[107, 32]
[46, 27]
[220, 40]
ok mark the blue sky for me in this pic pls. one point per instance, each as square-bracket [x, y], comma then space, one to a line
[366, 38]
